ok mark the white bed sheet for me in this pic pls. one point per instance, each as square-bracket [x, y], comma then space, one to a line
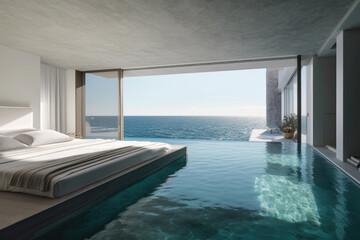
[13, 161]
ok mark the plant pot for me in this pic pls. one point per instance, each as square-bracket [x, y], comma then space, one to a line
[288, 135]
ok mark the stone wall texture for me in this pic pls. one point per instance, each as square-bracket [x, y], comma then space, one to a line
[273, 98]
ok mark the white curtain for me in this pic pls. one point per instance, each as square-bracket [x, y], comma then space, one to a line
[53, 98]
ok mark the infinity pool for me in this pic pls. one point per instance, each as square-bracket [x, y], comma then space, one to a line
[228, 190]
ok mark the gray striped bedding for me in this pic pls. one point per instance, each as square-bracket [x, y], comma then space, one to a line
[55, 170]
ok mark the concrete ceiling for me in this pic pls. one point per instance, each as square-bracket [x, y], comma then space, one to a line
[107, 34]
[350, 21]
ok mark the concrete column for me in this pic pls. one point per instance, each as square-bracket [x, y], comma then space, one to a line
[347, 94]
[324, 101]
[273, 98]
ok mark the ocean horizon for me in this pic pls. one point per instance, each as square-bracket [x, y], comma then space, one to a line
[234, 128]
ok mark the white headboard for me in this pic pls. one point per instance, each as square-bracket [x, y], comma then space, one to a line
[15, 117]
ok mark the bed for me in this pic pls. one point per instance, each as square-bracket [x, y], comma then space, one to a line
[44, 183]
[57, 169]
[54, 170]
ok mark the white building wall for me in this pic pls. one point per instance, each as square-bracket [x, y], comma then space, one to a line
[20, 80]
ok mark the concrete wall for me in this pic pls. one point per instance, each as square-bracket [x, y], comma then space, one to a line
[347, 92]
[20, 80]
[273, 98]
[324, 101]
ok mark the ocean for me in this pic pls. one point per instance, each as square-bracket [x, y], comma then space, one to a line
[176, 127]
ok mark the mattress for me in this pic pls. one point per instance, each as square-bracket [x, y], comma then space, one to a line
[62, 168]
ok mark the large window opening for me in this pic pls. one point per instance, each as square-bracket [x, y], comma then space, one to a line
[224, 105]
[288, 86]
[102, 105]
[238, 105]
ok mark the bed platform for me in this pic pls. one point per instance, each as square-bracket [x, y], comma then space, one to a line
[57, 169]
[23, 215]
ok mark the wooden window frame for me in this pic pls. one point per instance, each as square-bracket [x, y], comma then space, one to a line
[80, 85]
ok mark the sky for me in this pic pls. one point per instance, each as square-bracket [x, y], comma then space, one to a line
[227, 93]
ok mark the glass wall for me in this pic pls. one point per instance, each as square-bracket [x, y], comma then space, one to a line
[288, 84]
[290, 97]
[101, 105]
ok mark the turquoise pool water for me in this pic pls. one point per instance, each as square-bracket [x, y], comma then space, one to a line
[228, 190]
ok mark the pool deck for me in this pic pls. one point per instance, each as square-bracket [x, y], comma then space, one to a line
[265, 135]
[23, 215]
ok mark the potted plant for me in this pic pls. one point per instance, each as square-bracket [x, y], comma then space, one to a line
[288, 126]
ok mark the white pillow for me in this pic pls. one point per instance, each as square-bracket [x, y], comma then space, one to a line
[14, 132]
[42, 137]
[8, 143]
